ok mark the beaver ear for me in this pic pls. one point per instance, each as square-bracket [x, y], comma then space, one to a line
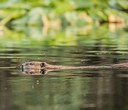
[43, 71]
[42, 64]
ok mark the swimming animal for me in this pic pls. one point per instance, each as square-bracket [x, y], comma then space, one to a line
[36, 68]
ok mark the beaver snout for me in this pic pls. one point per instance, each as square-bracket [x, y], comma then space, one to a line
[22, 68]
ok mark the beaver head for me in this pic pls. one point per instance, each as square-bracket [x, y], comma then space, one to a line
[33, 67]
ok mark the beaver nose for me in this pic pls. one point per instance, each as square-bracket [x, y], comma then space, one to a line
[22, 67]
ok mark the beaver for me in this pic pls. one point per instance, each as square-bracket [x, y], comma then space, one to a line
[35, 67]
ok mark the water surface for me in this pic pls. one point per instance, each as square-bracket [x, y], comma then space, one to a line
[67, 89]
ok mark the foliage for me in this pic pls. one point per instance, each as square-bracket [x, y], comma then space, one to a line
[21, 11]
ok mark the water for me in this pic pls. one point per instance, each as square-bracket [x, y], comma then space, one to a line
[65, 89]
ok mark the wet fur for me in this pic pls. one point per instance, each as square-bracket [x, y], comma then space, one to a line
[41, 67]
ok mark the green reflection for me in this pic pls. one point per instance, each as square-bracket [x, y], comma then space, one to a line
[88, 35]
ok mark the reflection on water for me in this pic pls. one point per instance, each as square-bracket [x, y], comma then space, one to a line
[67, 89]
[32, 36]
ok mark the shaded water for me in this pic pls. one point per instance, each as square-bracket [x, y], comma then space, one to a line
[65, 89]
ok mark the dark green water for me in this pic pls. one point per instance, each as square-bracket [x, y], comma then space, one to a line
[67, 89]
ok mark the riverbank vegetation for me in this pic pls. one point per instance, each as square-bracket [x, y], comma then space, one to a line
[62, 12]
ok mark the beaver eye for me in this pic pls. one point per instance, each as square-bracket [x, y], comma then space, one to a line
[31, 72]
[31, 63]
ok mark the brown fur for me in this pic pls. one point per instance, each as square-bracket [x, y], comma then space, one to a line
[41, 67]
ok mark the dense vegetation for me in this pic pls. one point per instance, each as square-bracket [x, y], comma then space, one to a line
[73, 12]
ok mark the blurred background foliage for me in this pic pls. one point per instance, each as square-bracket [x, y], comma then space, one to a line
[58, 22]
